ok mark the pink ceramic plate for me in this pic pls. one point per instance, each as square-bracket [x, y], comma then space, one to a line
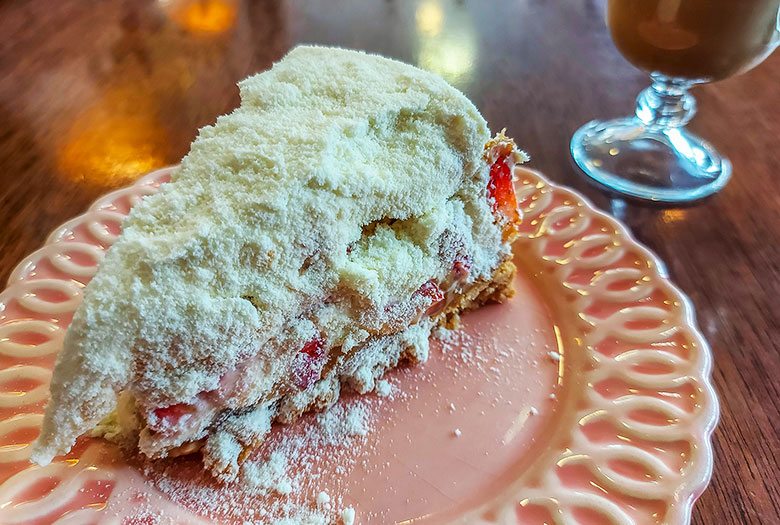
[585, 399]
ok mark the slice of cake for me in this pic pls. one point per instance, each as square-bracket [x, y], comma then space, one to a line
[310, 239]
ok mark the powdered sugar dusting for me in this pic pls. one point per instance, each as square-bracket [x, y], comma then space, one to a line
[367, 453]
[340, 423]
[278, 484]
[348, 516]
[323, 498]
[270, 475]
[383, 388]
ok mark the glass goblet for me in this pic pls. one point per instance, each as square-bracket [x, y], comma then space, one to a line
[680, 43]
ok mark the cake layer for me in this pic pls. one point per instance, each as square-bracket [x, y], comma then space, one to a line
[327, 210]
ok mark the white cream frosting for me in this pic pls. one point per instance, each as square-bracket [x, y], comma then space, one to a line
[320, 200]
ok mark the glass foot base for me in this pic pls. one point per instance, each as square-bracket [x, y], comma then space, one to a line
[646, 162]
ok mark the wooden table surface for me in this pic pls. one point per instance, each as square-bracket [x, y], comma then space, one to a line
[94, 92]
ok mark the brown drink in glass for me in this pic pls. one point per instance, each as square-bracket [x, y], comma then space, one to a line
[694, 39]
[680, 43]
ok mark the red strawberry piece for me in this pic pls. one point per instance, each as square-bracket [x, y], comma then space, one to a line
[501, 192]
[308, 364]
[430, 290]
[461, 267]
[171, 415]
[314, 349]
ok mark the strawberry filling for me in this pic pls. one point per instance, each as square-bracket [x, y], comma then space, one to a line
[433, 293]
[461, 267]
[430, 290]
[501, 193]
[170, 417]
[308, 364]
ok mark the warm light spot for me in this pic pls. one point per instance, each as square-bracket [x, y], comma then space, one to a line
[517, 425]
[447, 44]
[575, 458]
[450, 57]
[430, 17]
[673, 215]
[559, 344]
[13, 448]
[613, 151]
[203, 16]
[113, 142]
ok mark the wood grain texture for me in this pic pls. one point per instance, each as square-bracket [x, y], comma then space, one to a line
[94, 92]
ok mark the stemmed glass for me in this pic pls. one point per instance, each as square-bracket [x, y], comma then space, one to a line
[680, 43]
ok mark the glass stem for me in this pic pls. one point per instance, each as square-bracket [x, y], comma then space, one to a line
[666, 103]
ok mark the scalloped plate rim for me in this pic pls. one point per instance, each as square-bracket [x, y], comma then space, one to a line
[708, 421]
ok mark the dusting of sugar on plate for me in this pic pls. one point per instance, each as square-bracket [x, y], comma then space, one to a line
[383, 388]
[272, 481]
[348, 516]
